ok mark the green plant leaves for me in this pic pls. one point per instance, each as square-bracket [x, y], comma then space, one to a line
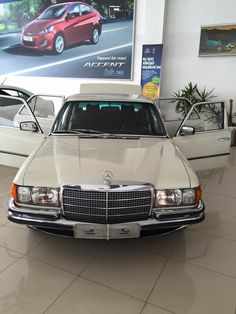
[193, 94]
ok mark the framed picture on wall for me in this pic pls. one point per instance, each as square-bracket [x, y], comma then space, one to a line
[218, 40]
[78, 39]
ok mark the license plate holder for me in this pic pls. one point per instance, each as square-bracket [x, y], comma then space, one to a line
[90, 231]
[100, 231]
[28, 38]
[123, 231]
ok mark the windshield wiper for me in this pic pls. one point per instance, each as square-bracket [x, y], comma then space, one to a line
[87, 131]
[66, 132]
[83, 132]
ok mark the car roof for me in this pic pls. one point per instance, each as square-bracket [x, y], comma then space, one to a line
[108, 97]
[16, 88]
[69, 3]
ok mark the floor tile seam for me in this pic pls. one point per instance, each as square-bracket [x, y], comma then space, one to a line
[11, 264]
[215, 236]
[159, 276]
[26, 255]
[177, 239]
[210, 235]
[148, 250]
[93, 259]
[60, 295]
[38, 244]
[159, 237]
[84, 277]
[6, 223]
[158, 307]
[202, 267]
[12, 250]
[19, 252]
[111, 288]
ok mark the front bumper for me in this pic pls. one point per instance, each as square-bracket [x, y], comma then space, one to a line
[38, 42]
[53, 222]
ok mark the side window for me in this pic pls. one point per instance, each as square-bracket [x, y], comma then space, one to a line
[210, 116]
[85, 9]
[43, 106]
[25, 111]
[173, 110]
[15, 93]
[9, 110]
[74, 9]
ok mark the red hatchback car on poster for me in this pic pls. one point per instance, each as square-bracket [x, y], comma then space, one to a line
[62, 25]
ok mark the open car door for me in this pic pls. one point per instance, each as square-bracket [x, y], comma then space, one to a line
[202, 135]
[23, 125]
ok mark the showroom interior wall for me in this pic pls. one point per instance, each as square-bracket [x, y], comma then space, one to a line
[149, 23]
[181, 63]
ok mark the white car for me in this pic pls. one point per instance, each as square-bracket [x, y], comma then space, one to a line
[108, 169]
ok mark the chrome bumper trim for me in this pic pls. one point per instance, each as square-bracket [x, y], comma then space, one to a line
[46, 220]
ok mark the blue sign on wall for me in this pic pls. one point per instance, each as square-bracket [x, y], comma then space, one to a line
[151, 70]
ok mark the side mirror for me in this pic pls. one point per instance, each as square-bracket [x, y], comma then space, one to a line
[69, 16]
[29, 126]
[186, 130]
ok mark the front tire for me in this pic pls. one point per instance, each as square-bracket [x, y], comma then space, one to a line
[59, 44]
[95, 36]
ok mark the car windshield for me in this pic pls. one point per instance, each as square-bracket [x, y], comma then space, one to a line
[54, 12]
[110, 117]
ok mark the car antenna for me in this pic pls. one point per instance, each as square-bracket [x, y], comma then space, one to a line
[4, 80]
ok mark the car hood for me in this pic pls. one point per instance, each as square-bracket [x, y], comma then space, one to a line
[37, 25]
[72, 159]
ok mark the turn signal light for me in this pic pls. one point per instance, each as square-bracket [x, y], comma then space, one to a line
[14, 191]
[198, 194]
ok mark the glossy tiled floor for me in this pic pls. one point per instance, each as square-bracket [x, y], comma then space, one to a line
[191, 271]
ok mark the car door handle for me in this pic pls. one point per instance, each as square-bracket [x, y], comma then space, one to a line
[223, 139]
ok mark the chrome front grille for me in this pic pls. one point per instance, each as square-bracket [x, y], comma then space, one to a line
[106, 206]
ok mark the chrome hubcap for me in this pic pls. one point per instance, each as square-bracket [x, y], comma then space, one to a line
[95, 35]
[59, 44]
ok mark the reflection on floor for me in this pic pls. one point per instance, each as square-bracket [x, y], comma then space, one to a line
[190, 271]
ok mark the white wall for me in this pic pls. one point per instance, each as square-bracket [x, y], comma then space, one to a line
[148, 30]
[181, 63]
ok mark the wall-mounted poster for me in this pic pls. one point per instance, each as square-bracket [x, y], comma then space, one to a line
[218, 40]
[151, 70]
[89, 39]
